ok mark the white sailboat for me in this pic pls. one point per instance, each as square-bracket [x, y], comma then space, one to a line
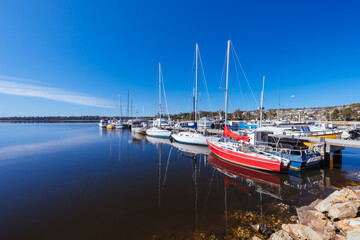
[119, 123]
[157, 131]
[192, 137]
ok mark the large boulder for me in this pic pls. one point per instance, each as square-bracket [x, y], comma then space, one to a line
[280, 235]
[343, 210]
[301, 232]
[344, 195]
[350, 228]
[317, 221]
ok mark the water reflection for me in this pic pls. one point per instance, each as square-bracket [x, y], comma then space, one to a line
[30, 149]
[191, 150]
[157, 141]
[104, 183]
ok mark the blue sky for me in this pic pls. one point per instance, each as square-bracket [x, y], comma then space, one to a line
[76, 57]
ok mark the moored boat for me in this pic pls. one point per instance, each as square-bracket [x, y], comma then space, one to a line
[194, 138]
[237, 149]
[103, 123]
[246, 155]
[158, 132]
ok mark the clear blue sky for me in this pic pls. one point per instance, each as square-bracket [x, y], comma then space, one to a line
[75, 57]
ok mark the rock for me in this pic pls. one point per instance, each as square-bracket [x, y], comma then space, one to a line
[255, 238]
[354, 188]
[343, 210]
[301, 232]
[350, 228]
[262, 228]
[341, 196]
[280, 235]
[339, 237]
[314, 203]
[317, 221]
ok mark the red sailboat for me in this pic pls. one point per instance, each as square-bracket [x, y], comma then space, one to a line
[237, 150]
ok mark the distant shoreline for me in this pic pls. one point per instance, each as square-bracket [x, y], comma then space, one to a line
[48, 121]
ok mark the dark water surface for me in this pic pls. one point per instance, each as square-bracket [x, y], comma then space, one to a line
[76, 181]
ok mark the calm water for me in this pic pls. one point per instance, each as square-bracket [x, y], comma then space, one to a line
[76, 181]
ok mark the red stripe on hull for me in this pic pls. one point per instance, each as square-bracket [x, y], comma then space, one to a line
[247, 160]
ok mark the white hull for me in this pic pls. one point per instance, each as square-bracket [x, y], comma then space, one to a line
[190, 138]
[157, 132]
[137, 130]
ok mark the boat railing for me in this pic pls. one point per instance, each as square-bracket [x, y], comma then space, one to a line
[282, 152]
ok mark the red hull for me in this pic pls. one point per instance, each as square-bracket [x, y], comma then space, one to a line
[247, 160]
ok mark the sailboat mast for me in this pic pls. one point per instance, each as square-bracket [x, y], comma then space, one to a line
[196, 81]
[120, 107]
[262, 100]
[160, 93]
[227, 81]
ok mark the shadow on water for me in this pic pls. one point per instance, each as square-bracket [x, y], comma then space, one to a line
[77, 181]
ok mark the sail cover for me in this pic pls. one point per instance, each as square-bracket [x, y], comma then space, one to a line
[229, 133]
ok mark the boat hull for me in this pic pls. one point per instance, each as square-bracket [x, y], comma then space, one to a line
[194, 139]
[247, 159]
[330, 136]
[306, 161]
[160, 133]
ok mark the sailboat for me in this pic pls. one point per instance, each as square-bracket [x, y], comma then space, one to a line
[119, 123]
[195, 138]
[156, 131]
[238, 150]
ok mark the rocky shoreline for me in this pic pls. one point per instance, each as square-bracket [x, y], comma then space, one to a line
[335, 217]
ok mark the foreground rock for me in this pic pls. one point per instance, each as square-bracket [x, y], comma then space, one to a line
[343, 210]
[350, 228]
[317, 221]
[345, 195]
[301, 232]
[280, 235]
[335, 217]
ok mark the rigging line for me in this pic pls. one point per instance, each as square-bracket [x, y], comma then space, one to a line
[223, 72]
[167, 109]
[207, 90]
[221, 79]
[191, 76]
[244, 75]
[238, 78]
